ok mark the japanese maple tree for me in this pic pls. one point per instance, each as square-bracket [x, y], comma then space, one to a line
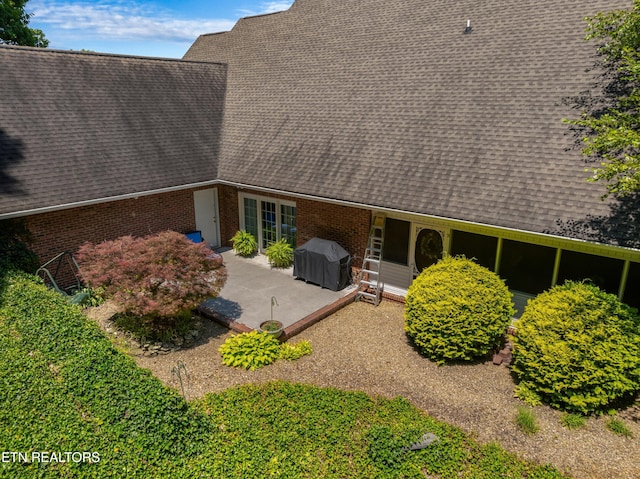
[156, 276]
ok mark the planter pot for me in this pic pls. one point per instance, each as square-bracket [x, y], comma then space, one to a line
[272, 327]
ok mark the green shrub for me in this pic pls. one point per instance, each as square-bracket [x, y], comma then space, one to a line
[280, 254]
[250, 350]
[457, 310]
[244, 243]
[577, 348]
[14, 249]
[291, 352]
[65, 387]
[526, 420]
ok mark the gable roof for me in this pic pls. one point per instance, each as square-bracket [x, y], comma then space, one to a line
[79, 127]
[389, 103]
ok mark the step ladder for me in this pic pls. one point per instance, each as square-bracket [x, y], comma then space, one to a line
[369, 285]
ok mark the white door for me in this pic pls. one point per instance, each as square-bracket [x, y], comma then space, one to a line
[206, 207]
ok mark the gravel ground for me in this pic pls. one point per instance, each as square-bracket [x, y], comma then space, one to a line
[365, 348]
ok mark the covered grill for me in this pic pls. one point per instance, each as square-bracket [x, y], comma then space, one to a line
[324, 263]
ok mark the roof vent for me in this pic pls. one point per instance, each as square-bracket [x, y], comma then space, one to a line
[468, 27]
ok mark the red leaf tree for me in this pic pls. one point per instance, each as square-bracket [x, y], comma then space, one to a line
[157, 276]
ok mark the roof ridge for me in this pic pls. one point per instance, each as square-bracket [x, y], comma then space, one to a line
[104, 54]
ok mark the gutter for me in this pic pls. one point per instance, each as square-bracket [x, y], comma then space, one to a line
[107, 199]
[544, 239]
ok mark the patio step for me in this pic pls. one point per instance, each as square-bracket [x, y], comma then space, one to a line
[369, 285]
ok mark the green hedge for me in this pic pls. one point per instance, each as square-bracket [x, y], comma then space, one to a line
[457, 310]
[577, 348]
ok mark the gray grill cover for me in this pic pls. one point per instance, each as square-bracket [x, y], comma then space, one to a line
[324, 263]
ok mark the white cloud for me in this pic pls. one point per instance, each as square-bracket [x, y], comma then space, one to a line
[122, 21]
[267, 7]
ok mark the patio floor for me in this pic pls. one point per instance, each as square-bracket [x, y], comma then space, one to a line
[251, 283]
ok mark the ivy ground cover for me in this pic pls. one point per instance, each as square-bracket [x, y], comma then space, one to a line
[71, 405]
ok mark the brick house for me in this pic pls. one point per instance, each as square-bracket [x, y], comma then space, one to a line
[311, 121]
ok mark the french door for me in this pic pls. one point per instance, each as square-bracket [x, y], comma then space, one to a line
[268, 219]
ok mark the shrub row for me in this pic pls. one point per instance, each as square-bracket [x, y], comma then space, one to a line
[577, 347]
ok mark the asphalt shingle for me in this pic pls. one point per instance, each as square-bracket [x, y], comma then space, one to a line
[76, 127]
[390, 103]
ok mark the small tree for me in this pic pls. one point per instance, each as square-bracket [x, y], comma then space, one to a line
[14, 25]
[158, 276]
[611, 132]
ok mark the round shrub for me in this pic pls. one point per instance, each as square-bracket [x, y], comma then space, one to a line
[457, 310]
[577, 348]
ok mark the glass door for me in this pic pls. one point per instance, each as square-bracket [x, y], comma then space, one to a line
[268, 220]
[268, 223]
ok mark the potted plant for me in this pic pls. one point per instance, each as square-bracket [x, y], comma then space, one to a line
[244, 243]
[272, 326]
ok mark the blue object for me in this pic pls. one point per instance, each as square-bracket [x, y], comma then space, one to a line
[195, 236]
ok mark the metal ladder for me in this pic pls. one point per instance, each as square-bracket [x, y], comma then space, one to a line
[369, 285]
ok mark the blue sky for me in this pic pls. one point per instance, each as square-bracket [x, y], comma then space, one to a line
[158, 28]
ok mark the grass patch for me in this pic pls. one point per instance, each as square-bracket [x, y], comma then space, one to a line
[66, 388]
[573, 421]
[526, 420]
[618, 427]
[300, 431]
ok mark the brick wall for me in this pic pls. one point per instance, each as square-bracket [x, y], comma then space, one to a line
[66, 230]
[348, 226]
[229, 217]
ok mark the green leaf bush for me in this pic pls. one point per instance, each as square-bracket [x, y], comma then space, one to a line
[244, 243]
[280, 254]
[14, 250]
[457, 310]
[294, 351]
[250, 350]
[577, 348]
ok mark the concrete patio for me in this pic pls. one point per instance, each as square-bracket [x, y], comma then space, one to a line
[245, 299]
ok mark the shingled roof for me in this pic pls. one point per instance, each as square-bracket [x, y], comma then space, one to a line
[390, 103]
[78, 127]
